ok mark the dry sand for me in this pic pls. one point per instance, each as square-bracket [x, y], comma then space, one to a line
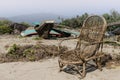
[48, 69]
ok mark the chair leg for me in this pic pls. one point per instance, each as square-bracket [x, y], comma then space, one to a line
[84, 71]
[99, 64]
[60, 66]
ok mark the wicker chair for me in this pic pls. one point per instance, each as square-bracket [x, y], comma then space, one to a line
[88, 47]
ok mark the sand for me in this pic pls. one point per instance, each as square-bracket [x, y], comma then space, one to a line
[48, 69]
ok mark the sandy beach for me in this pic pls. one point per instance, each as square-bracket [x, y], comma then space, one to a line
[47, 69]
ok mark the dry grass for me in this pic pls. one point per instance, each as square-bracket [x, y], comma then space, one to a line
[30, 53]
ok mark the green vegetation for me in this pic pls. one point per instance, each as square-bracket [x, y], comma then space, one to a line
[26, 24]
[77, 21]
[5, 29]
[30, 53]
[112, 17]
[13, 51]
[5, 22]
[4, 26]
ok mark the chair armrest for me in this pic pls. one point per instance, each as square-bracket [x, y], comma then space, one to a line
[97, 42]
[63, 39]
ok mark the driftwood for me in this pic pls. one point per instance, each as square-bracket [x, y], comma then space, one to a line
[113, 24]
[90, 41]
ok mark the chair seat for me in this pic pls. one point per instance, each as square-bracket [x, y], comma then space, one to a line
[78, 54]
[70, 62]
[70, 55]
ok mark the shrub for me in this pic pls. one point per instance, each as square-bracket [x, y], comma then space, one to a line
[5, 29]
[30, 53]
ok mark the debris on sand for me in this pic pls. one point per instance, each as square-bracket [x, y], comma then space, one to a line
[114, 62]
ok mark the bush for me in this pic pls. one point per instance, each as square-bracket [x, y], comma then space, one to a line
[30, 53]
[5, 29]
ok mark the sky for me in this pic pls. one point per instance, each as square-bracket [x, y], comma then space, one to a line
[9, 8]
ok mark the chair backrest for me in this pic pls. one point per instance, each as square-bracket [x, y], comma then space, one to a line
[92, 31]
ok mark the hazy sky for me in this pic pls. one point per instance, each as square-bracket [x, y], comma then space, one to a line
[62, 7]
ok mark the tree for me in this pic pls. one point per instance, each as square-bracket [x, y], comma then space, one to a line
[115, 15]
[75, 22]
[5, 22]
[26, 24]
